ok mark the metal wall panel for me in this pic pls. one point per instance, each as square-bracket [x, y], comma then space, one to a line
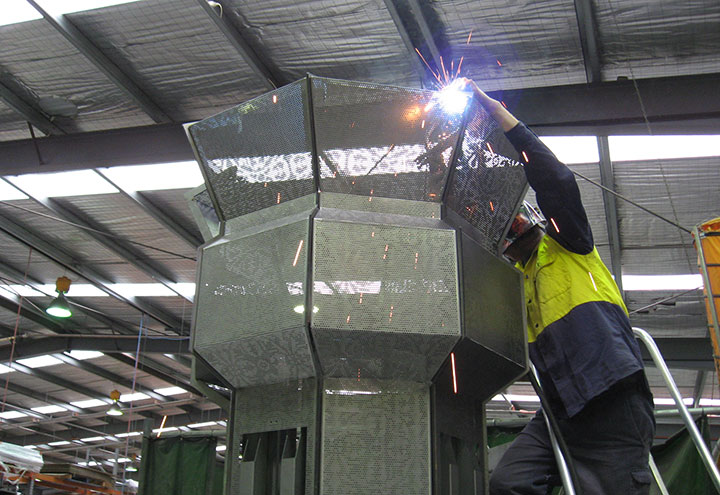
[375, 440]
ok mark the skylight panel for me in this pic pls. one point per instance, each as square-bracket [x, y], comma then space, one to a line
[203, 425]
[573, 149]
[39, 361]
[163, 430]
[5, 369]
[133, 397]
[175, 175]
[662, 282]
[49, 409]
[130, 434]
[12, 415]
[8, 192]
[16, 11]
[83, 355]
[58, 443]
[631, 148]
[92, 439]
[170, 391]
[86, 404]
[73, 183]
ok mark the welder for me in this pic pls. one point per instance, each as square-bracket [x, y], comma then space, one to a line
[580, 340]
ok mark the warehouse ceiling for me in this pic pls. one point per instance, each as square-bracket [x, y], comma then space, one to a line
[94, 91]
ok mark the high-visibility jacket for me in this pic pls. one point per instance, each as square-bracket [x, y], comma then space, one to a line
[579, 333]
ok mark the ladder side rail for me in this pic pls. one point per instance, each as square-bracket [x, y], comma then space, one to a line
[563, 468]
[684, 413]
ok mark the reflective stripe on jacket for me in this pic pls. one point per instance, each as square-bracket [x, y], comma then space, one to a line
[557, 280]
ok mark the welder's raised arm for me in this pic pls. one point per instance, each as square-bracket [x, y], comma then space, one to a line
[556, 190]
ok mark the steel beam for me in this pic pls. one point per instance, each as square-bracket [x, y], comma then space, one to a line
[160, 216]
[28, 113]
[114, 429]
[607, 179]
[407, 41]
[43, 397]
[30, 347]
[31, 315]
[110, 242]
[425, 32]
[251, 58]
[158, 370]
[60, 382]
[683, 353]
[72, 34]
[587, 26]
[103, 373]
[49, 250]
[674, 105]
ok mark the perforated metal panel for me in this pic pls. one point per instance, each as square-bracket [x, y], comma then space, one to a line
[257, 154]
[380, 278]
[488, 181]
[376, 204]
[261, 359]
[249, 285]
[382, 141]
[375, 441]
[249, 318]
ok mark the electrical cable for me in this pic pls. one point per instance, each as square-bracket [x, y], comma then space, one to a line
[574, 478]
[96, 231]
[618, 195]
[661, 301]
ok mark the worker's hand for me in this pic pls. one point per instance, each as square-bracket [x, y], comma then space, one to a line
[484, 99]
[503, 117]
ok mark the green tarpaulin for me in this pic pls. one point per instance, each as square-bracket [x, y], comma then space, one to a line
[180, 466]
[680, 464]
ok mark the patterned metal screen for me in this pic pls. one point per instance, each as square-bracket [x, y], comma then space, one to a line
[380, 141]
[257, 154]
[375, 440]
[249, 318]
[488, 182]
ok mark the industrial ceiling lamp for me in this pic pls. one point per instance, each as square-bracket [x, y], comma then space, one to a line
[115, 409]
[60, 307]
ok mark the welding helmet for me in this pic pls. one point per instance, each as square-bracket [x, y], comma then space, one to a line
[526, 218]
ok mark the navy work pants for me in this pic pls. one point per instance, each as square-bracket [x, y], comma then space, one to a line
[609, 441]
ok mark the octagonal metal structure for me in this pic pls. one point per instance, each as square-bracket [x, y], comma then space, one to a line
[356, 276]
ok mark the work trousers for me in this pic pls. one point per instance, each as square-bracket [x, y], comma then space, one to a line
[609, 442]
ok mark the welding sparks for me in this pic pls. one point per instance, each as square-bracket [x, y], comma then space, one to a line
[278, 198]
[422, 124]
[503, 103]
[274, 98]
[162, 425]
[452, 363]
[527, 160]
[361, 295]
[348, 319]
[469, 38]
[552, 220]
[492, 207]
[499, 63]
[297, 254]
[391, 313]
[489, 146]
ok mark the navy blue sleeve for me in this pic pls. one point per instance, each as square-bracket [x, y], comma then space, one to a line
[556, 190]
